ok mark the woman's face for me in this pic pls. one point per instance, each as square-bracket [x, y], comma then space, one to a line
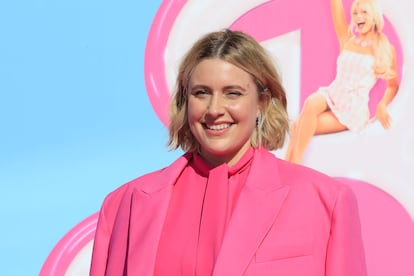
[223, 105]
[363, 19]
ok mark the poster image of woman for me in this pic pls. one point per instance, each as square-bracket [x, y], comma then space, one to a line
[365, 56]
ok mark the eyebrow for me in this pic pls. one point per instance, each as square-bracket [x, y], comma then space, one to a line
[227, 87]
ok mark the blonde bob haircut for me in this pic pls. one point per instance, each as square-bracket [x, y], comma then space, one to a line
[246, 53]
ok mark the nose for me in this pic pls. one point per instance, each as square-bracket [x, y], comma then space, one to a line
[215, 106]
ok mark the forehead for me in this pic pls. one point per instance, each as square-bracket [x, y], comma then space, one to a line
[361, 6]
[213, 70]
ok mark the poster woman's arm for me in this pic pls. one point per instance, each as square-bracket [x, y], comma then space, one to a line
[339, 21]
[392, 87]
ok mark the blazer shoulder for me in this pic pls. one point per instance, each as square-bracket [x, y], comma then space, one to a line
[148, 182]
[318, 189]
[305, 178]
[299, 173]
[112, 200]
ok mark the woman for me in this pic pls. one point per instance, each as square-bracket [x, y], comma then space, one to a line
[365, 55]
[228, 206]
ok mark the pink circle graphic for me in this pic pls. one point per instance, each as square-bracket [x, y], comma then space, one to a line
[387, 230]
[69, 246]
[154, 66]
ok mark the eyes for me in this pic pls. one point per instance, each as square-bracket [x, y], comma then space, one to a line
[360, 12]
[228, 93]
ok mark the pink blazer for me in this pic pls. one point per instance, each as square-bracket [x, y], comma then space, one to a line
[289, 220]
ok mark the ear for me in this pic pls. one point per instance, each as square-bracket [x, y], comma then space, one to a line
[264, 100]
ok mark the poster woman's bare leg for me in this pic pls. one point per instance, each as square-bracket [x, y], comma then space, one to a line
[315, 118]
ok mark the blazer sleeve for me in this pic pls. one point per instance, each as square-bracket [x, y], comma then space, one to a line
[345, 252]
[107, 215]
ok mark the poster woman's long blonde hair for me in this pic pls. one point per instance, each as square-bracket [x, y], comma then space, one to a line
[383, 50]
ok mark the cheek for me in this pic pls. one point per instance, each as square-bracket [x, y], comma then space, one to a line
[193, 109]
[195, 113]
[244, 112]
[192, 120]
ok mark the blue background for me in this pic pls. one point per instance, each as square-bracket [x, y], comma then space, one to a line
[75, 119]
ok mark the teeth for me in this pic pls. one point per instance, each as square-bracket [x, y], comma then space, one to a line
[218, 127]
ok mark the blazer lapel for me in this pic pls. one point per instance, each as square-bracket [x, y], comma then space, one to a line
[148, 209]
[256, 210]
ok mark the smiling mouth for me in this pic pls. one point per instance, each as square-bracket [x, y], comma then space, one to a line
[360, 24]
[217, 127]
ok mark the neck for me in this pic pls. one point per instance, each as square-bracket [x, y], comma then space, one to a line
[216, 159]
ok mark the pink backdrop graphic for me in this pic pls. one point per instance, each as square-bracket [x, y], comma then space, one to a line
[385, 208]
